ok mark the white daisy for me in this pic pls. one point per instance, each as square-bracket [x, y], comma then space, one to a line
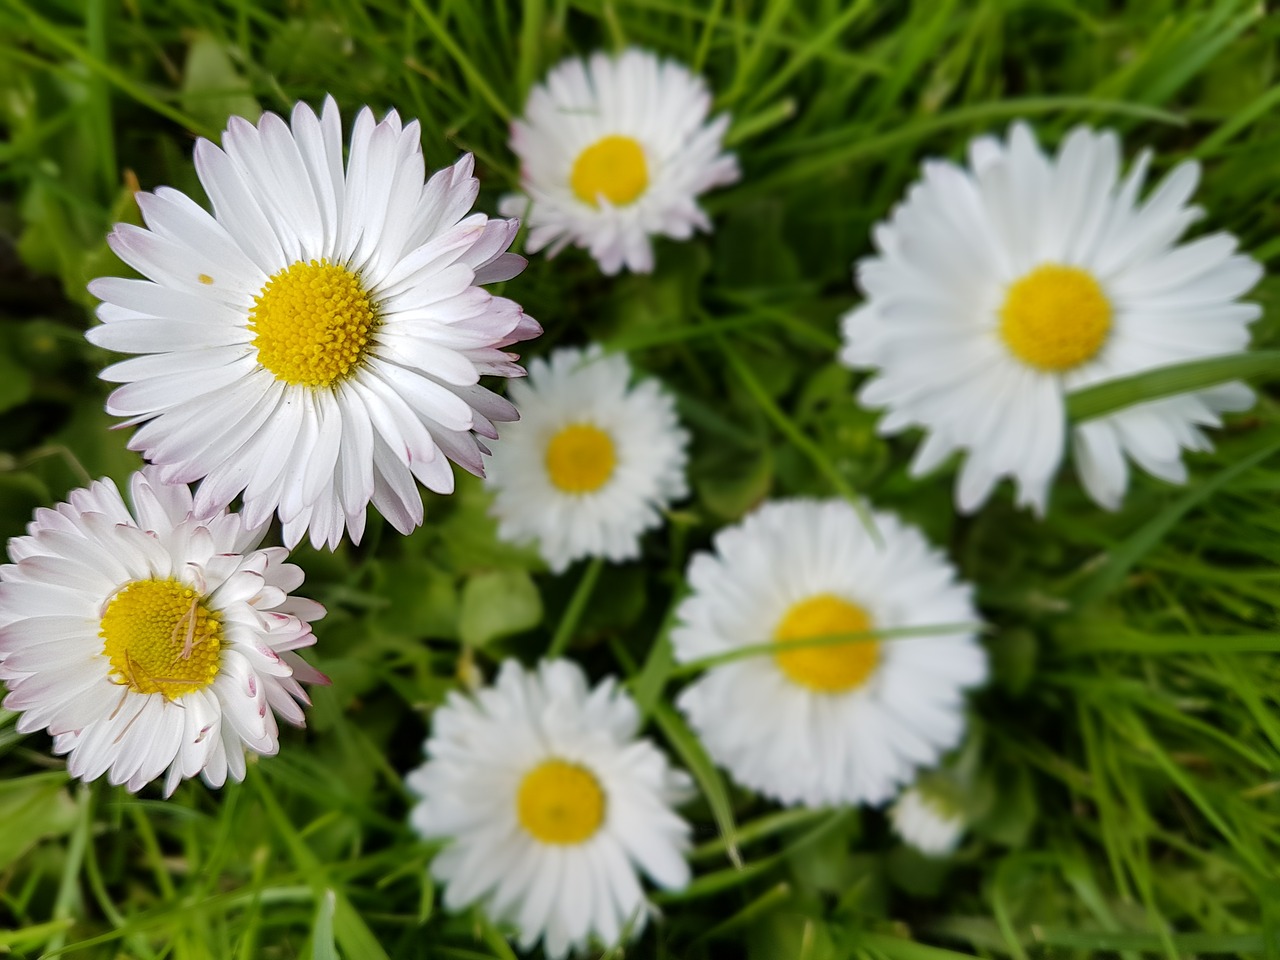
[316, 343]
[592, 462]
[826, 724]
[551, 805]
[1002, 287]
[925, 820]
[152, 639]
[614, 150]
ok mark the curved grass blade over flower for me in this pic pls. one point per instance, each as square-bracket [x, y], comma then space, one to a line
[592, 462]
[1002, 287]
[316, 343]
[836, 723]
[152, 639]
[552, 807]
[614, 150]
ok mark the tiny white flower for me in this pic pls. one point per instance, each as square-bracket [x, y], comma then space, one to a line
[592, 462]
[1000, 288]
[551, 806]
[152, 639]
[614, 150]
[924, 820]
[833, 724]
[316, 343]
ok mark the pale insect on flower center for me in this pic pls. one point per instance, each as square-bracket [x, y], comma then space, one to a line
[580, 458]
[312, 323]
[161, 638]
[831, 668]
[560, 802]
[613, 167]
[1055, 318]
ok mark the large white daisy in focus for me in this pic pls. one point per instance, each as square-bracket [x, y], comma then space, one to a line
[315, 343]
[592, 462]
[152, 639]
[551, 807]
[833, 724]
[614, 150]
[1001, 287]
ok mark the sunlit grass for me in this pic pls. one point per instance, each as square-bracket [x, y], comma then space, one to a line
[1130, 738]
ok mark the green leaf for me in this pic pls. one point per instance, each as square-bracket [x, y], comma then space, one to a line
[322, 945]
[497, 604]
[1104, 398]
[212, 88]
[31, 809]
[704, 772]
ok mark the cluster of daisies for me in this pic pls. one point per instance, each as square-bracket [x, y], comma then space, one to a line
[315, 344]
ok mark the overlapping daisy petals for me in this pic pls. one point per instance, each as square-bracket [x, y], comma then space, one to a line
[802, 746]
[209, 410]
[481, 748]
[946, 257]
[576, 386]
[74, 559]
[658, 103]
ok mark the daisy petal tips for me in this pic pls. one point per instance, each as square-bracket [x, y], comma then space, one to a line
[593, 462]
[552, 807]
[316, 343]
[614, 150]
[1000, 287]
[152, 638]
[842, 722]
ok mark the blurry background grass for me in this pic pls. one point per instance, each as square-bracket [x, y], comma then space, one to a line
[1130, 739]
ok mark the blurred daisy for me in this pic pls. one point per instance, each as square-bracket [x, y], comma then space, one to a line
[316, 343]
[551, 805]
[592, 462]
[1000, 288]
[615, 150]
[925, 820]
[154, 639]
[838, 723]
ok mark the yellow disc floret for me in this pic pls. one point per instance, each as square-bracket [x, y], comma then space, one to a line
[312, 323]
[831, 668]
[580, 458]
[1055, 317]
[560, 802]
[613, 167]
[161, 638]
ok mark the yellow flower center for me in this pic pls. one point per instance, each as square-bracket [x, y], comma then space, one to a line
[560, 802]
[614, 168]
[312, 323]
[580, 458]
[831, 668]
[1055, 317]
[160, 638]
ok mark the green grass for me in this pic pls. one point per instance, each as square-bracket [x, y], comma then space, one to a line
[1128, 800]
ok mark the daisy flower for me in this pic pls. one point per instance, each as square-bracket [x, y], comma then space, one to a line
[842, 723]
[315, 343]
[1002, 287]
[592, 462]
[925, 820]
[551, 806]
[152, 639]
[614, 150]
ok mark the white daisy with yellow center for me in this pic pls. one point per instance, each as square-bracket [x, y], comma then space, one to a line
[551, 807]
[1002, 287]
[154, 639]
[593, 461]
[316, 343]
[614, 150]
[849, 717]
